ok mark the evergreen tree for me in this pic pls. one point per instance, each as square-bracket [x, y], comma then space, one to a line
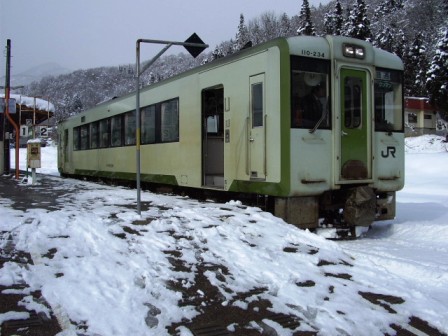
[152, 78]
[400, 47]
[387, 16]
[385, 40]
[217, 53]
[306, 26]
[416, 67]
[63, 108]
[255, 32]
[270, 26]
[285, 26]
[334, 22]
[231, 47]
[358, 25]
[76, 105]
[242, 36]
[387, 7]
[437, 83]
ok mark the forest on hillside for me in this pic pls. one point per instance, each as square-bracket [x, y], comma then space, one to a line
[415, 30]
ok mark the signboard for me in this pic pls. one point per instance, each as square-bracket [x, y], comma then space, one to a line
[195, 50]
[12, 105]
[23, 131]
[43, 131]
[33, 151]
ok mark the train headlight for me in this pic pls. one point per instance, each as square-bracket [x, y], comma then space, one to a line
[359, 52]
[353, 51]
[349, 50]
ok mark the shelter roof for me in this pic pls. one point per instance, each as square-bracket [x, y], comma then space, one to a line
[31, 108]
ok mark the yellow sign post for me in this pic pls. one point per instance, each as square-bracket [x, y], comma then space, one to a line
[33, 157]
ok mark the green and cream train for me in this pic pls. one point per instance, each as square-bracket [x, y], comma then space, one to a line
[315, 124]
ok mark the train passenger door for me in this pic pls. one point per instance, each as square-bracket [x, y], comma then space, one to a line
[257, 129]
[213, 137]
[65, 145]
[355, 126]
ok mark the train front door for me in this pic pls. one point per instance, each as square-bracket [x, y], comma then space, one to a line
[355, 150]
[257, 129]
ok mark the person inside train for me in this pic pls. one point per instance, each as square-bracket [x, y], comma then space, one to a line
[309, 109]
[312, 106]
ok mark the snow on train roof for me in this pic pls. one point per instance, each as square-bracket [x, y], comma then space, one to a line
[41, 104]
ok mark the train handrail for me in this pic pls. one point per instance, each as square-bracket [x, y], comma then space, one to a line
[324, 115]
[247, 146]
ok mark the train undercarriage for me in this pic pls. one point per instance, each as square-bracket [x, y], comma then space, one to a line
[338, 214]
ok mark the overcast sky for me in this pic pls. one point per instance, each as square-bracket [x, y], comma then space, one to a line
[80, 34]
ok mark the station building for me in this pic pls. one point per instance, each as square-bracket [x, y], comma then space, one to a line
[422, 118]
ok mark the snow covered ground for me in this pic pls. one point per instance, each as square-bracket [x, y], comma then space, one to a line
[107, 271]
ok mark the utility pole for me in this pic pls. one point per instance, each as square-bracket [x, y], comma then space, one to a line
[7, 115]
[6, 162]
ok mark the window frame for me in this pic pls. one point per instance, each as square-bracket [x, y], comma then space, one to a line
[257, 108]
[166, 128]
[84, 137]
[116, 131]
[353, 103]
[104, 142]
[169, 121]
[94, 135]
[382, 77]
[299, 65]
[77, 138]
[150, 131]
[120, 130]
[130, 128]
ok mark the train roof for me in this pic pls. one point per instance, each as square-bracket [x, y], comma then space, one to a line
[327, 45]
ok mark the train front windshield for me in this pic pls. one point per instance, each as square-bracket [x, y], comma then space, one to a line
[388, 100]
[310, 88]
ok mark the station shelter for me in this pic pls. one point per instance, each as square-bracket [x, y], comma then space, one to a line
[32, 115]
[420, 116]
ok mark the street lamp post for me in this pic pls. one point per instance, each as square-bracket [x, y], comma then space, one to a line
[194, 46]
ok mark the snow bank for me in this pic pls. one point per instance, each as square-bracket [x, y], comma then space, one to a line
[426, 144]
[113, 272]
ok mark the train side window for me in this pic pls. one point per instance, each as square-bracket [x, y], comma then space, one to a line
[76, 138]
[169, 121]
[84, 137]
[257, 105]
[148, 121]
[104, 133]
[213, 110]
[94, 135]
[389, 100]
[310, 93]
[116, 128]
[129, 128]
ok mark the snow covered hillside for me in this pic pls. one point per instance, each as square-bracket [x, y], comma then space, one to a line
[107, 271]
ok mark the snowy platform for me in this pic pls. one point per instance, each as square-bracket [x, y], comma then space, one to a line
[186, 267]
